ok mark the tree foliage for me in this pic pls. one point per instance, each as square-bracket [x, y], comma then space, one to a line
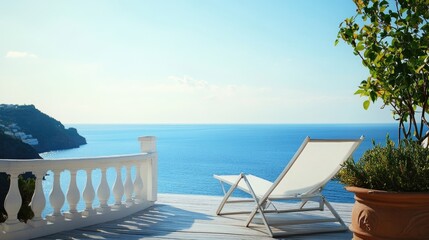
[391, 38]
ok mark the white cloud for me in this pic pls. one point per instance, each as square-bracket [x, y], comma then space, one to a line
[209, 91]
[17, 54]
[190, 82]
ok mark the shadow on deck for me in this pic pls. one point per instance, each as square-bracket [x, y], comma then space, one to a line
[186, 217]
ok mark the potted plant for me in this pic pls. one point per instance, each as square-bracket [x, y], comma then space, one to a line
[391, 182]
[26, 184]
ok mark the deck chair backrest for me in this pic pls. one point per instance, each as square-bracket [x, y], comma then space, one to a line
[315, 163]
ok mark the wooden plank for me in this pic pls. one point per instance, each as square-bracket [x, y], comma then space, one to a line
[177, 216]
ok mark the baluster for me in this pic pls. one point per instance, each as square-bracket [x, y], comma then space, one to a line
[128, 186]
[118, 188]
[88, 194]
[12, 204]
[38, 201]
[73, 195]
[138, 185]
[103, 191]
[56, 197]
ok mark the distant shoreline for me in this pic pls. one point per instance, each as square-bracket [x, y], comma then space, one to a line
[227, 124]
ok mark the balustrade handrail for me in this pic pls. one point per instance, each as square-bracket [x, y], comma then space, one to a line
[132, 195]
[67, 163]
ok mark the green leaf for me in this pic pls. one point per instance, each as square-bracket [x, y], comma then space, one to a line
[420, 68]
[360, 91]
[402, 10]
[373, 96]
[366, 104]
[360, 46]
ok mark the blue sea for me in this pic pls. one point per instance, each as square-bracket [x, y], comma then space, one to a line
[189, 155]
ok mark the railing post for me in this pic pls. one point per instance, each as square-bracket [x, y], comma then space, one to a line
[12, 204]
[88, 194]
[148, 145]
[38, 201]
[138, 184]
[144, 171]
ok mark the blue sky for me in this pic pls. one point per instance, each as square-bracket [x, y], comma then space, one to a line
[182, 61]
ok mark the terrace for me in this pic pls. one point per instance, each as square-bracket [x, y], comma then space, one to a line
[130, 208]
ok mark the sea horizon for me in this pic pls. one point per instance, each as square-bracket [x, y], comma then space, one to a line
[233, 123]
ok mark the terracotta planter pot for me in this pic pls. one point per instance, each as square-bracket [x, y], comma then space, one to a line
[389, 215]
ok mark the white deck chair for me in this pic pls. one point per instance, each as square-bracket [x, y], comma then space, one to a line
[314, 164]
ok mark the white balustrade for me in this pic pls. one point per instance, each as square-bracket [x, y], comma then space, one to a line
[139, 193]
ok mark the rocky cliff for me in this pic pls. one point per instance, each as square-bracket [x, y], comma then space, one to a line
[43, 132]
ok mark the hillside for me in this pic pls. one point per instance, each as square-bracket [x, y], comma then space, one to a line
[12, 148]
[41, 131]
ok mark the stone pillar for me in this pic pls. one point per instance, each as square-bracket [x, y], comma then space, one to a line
[150, 180]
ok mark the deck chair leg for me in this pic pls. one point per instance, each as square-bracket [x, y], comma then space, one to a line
[337, 216]
[268, 204]
[264, 219]
[303, 202]
[228, 194]
[223, 187]
[260, 205]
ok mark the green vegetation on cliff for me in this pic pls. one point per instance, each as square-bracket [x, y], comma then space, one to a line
[50, 133]
[12, 148]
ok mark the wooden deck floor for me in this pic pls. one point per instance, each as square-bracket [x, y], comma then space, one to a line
[186, 217]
